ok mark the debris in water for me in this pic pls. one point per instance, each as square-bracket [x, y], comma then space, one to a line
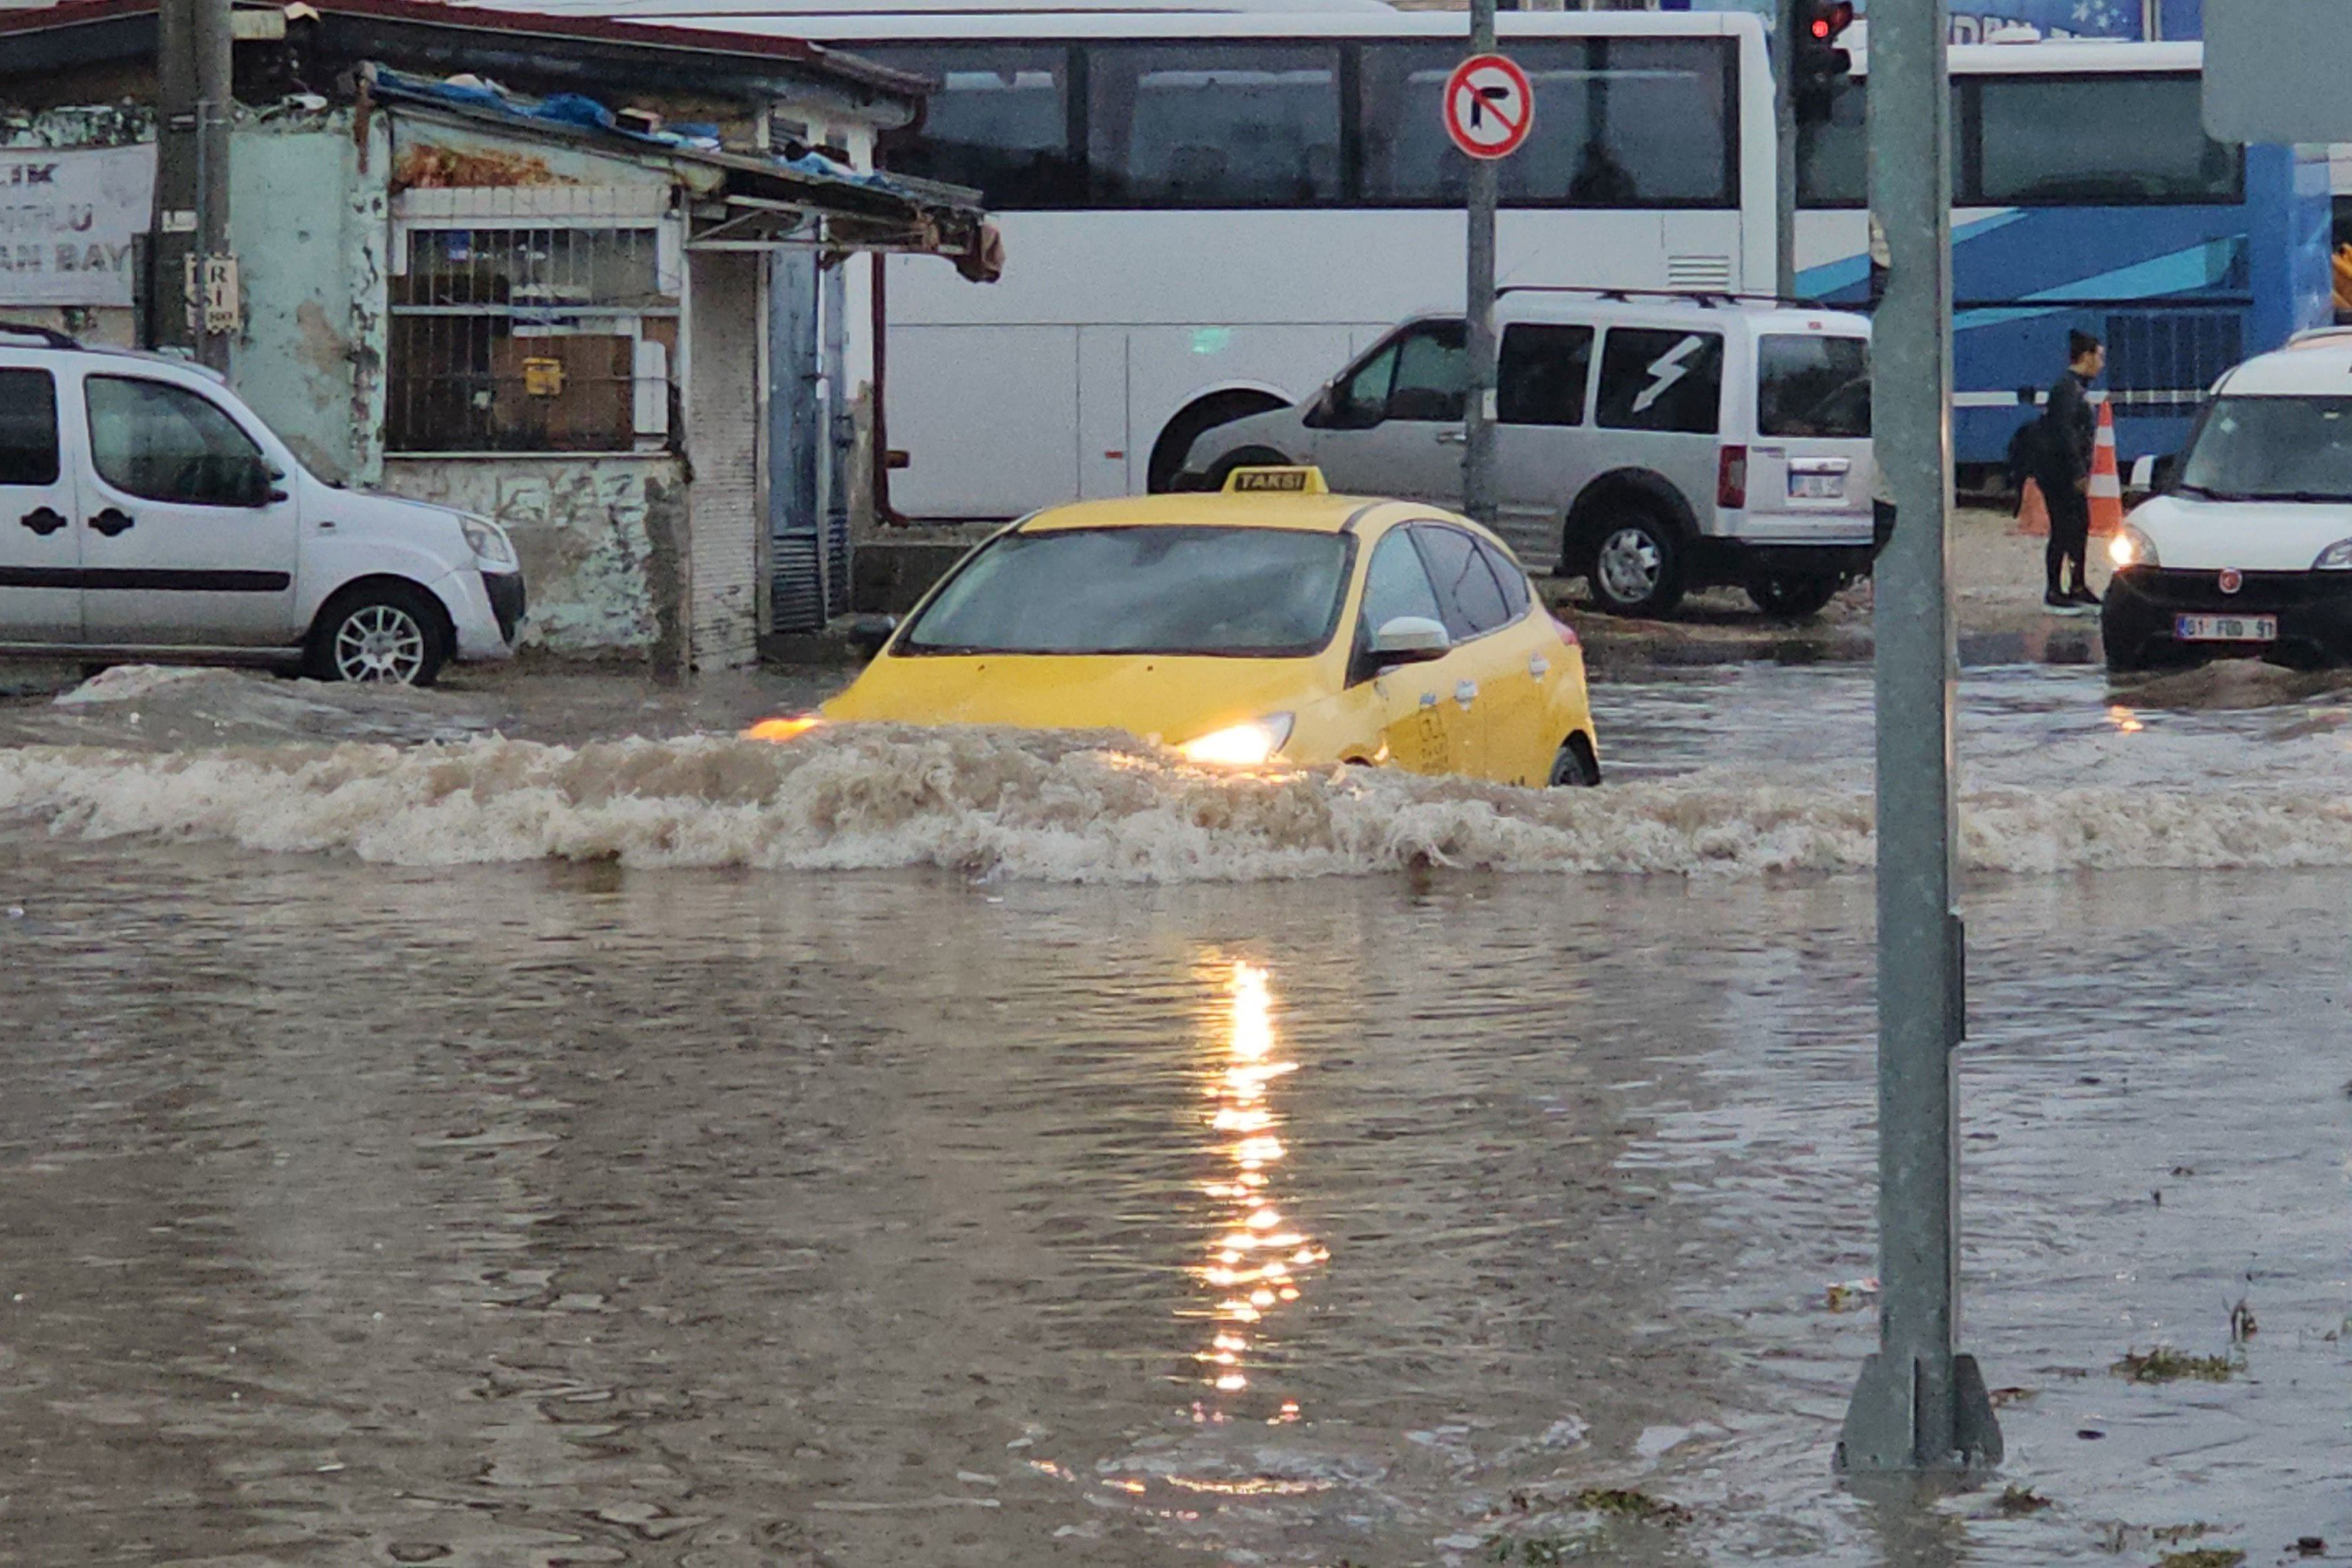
[1624, 1502]
[2242, 1326]
[2165, 1364]
[2017, 1501]
[2002, 1398]
[2202, 1557]
[2310, 1546]
[1850, 1295]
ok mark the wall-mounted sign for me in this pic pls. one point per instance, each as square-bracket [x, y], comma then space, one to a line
[67, 219]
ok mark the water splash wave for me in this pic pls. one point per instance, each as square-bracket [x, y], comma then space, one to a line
[1083, 808]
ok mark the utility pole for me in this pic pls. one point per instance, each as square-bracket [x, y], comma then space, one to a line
[194, 53]
[1919, 1406]
[176, 200]
[1478, 411]
[216, 109]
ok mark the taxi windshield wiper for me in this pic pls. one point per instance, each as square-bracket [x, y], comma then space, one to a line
[2306, 498]
[2185, 488]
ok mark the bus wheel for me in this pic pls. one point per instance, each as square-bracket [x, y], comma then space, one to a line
[1190, 425]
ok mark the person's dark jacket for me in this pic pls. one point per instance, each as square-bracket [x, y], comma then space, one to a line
[2070, 430]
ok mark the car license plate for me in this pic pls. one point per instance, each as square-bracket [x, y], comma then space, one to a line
[2225, 629]
[1816, 485]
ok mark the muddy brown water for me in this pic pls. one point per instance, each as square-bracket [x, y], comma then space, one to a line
[571, 1212]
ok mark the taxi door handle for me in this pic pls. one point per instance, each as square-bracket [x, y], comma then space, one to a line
[1429, 699]
[1453, 437]
[1539, 666]
[1465, 692]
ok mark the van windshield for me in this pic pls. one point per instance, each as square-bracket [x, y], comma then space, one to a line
[2273, 448]
[1232, 592]
[1807, 385]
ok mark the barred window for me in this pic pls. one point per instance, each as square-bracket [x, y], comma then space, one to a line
[556, 338]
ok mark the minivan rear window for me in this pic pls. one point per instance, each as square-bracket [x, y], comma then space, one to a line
[1814, 386]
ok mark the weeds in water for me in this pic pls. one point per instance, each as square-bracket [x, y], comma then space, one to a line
[2018, 1502]
[1536, 1551]
[1620, 1502]
[2165, 1364]
[2202, 1557]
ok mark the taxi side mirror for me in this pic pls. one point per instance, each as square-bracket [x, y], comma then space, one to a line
[868, 633]
[1410, 639]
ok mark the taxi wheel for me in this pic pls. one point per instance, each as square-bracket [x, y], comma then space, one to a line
[1575, 767]
[1637, 567]
[1794, 597]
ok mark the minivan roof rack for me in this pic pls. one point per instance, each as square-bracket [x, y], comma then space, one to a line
[49, 336]
[1696, 296]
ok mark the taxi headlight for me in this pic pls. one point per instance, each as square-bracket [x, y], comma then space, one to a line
[2337, 557]
[1247, 746]
[2130, 547]
[490, 542]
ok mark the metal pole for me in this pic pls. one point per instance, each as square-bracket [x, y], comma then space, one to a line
[1919, 1404]
[1478, 402]
[175, 174]
[214, 110]
[1784, 171]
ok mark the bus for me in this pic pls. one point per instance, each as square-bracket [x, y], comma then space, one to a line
[1206, 211]
[2087, 195]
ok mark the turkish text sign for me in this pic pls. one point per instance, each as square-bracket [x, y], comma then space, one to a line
[68, 220]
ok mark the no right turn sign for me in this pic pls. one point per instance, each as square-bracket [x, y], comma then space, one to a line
[1489, 106]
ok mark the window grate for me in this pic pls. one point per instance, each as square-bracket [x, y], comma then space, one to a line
[557, 339]
[2162, 361]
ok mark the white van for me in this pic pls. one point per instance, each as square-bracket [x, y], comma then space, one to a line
[146, 513]
[1652, 444]
[2247, 553]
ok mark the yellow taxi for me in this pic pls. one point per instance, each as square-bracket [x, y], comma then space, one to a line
[1272, 624]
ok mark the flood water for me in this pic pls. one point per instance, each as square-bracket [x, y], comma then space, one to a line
[529, 1150]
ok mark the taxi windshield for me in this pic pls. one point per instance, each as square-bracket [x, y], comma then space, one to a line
[2273, 448]
[1236, 592]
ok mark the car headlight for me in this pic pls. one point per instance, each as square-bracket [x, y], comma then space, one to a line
[2337, 557]
[2132, 548]
[490, 544]
[1248, 745]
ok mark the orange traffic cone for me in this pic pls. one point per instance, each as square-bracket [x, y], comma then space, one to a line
[2106, 484]
[2032, 512]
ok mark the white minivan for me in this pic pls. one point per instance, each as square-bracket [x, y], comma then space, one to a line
[146, 513]
[1651, 443]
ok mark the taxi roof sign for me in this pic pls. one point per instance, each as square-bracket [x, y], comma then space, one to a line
[1295, 482]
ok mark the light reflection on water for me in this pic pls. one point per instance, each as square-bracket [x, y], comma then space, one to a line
[1258, 1264]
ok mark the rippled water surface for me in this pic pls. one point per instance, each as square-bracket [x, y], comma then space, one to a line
[627, 1199]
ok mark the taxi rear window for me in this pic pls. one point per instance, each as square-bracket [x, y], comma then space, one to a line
[1236, 592]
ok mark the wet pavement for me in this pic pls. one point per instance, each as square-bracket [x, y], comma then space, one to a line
[524, 1147]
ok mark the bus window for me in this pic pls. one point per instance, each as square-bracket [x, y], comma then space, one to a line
[2108, 138]
[1834, 158]
[1620, 123]
[999, 123]
[1206, 125]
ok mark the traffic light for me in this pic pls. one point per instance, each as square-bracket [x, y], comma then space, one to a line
[1816, 64]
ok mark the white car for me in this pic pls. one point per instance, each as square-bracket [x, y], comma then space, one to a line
[1649, 444]
[2248, 551]
[145, 512]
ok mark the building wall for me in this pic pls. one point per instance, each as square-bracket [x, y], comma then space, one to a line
[723, 410]
[603, 541]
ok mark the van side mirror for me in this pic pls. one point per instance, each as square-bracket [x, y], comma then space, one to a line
[1410, 639]
[2164, 473]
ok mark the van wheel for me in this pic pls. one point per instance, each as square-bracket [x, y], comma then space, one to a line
[1636, 566]
[383, 633]
[1575, 767]
[1793, 597]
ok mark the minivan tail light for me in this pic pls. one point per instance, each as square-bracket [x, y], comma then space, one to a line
[1731, 479]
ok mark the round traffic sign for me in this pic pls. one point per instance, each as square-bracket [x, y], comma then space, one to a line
[1489, 106]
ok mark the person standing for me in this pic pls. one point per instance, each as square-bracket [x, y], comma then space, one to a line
[2068, 434]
